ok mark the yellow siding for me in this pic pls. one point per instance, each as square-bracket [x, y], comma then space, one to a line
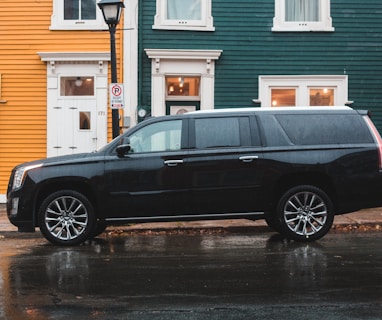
[24, 31]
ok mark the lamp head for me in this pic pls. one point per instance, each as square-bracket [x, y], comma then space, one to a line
[111, 10]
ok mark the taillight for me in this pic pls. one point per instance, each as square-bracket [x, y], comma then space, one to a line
[377, 138]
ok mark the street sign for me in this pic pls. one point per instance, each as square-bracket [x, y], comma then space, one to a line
[116, 96]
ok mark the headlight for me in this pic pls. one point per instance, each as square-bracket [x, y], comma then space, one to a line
[20, 173]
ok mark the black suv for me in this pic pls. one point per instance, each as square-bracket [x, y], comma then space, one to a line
[294, 167]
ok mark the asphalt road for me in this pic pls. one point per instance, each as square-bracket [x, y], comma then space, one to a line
[251, 276]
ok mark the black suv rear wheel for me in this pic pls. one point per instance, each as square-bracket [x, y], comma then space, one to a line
[66, 217]
[305, 213]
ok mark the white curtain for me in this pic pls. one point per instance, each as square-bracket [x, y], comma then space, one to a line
[302, 10]
[184, 10]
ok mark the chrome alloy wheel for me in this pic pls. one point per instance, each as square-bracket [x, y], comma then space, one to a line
[305, 213]
[66, 218]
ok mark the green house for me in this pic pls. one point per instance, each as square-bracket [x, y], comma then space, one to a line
[206, 54]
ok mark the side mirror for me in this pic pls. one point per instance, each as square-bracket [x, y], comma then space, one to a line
[124, 148]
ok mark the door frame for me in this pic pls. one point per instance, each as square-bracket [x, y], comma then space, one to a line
[169, 62]
[77, 64]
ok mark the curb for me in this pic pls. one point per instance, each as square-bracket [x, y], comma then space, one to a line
[187, 230]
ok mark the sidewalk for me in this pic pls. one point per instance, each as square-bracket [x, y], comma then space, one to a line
[368, 218]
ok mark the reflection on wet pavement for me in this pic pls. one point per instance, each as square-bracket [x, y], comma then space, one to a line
[136, 275]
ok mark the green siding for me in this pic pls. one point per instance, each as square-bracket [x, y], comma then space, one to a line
[250, 48]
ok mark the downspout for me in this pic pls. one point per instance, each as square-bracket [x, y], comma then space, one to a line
[131, 62]
[141, 52]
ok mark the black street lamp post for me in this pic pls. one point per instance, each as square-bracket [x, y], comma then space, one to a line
[111, 10]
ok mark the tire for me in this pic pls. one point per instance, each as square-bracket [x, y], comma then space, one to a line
[305, 213]
[66, 218]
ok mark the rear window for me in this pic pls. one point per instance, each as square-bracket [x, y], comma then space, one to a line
[303, 129]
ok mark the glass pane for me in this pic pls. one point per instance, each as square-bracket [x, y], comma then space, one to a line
[183, 86]
[321, 97]
[283, 97]
[184, 10]
[85, 120]
[217, 132]
[77, 86]
[160, 136]
[71, 9]
[302, 10]
[88, 10]
[323, 129]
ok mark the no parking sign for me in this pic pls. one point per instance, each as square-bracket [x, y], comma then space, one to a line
[116, 96]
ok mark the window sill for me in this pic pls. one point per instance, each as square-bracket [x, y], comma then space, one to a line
[302, 29]
[183, 28]
[182, 98]
[95, 27]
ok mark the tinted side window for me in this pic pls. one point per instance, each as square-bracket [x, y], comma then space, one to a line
[222, 132]
[159, 136]
[217, 132]
[316, 129]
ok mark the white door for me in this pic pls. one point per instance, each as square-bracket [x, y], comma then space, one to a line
[76, 126]
[77, 118]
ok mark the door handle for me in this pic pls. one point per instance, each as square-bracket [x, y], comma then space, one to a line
[172, 163]
[248, 158]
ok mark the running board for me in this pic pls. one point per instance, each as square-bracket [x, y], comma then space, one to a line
[249, 215]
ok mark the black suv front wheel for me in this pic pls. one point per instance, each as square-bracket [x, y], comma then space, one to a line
[305, 213]
[66, 217]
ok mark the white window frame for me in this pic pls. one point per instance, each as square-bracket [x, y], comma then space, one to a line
[324, 25]
[59, 23]
[303, 84]
[205, 24]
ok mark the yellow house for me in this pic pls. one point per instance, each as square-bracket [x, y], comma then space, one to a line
[54, 77]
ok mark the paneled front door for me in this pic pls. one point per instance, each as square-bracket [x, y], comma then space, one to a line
[76, 126]
[77, 120]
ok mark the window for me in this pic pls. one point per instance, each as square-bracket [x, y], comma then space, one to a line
[180, 87]
[85, 120]
[80, 10]
[160, 136]
[290, 91]
[302, 10]
[323, 129]
[302, 15]
[184, 15]
[76, 15]
[283, 97]
[286, 97]
[321, 96]
[77, 86]
[217, 132]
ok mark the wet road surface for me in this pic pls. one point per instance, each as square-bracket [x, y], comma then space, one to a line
[251, 276]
